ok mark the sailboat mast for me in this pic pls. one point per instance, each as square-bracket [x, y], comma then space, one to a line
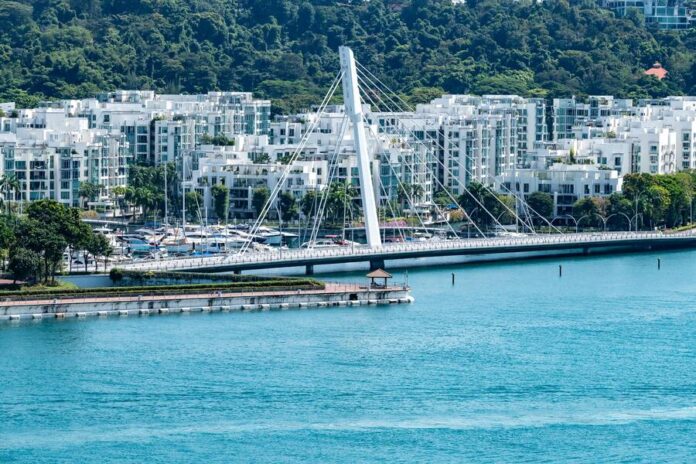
[166, 212]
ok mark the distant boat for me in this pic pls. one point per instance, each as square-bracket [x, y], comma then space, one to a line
[330, 241]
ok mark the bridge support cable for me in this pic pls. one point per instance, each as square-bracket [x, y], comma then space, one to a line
[303, 142]
[367, 73]
[528, 208]
[449, 194]
[425, 162]
[466, 190]
[333, 168]
[393, 213]
[401, 185]
[461, 184]
[369, 79]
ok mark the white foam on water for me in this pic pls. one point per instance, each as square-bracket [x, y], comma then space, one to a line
[74, 437]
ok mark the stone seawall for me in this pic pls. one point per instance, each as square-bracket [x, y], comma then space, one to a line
[334, 295]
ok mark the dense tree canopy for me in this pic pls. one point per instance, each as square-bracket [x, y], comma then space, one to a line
[286, 49]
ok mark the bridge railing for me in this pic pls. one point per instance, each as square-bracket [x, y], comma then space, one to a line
[398, 248]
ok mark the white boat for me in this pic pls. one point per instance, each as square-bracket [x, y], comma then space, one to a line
[269, 236]
[133, 244]
[330, 241]
[174, 241]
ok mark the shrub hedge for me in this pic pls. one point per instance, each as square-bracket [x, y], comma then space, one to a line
[266, 285]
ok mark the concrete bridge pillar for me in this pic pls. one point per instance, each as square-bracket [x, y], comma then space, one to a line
[376, 264]
[237, 271]
[309, 269]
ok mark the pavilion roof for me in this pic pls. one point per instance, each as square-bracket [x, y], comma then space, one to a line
[379, 274]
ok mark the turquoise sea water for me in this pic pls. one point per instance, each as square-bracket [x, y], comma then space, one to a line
[511, 364]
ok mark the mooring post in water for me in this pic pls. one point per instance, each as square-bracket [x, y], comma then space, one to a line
[560, 270]
[659, 263]
[453, 278]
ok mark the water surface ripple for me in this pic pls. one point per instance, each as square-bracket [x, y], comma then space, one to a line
[511, 364]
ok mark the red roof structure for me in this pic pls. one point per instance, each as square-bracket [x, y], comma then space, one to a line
[657, 70]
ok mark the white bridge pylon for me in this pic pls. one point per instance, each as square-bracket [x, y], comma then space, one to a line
[353, 108]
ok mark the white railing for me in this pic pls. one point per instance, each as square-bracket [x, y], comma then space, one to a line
[275, 256]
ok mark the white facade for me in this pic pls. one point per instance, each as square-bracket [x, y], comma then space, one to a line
[565, 183]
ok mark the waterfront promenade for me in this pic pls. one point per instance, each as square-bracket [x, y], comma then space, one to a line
[333, 294]
[400, 252]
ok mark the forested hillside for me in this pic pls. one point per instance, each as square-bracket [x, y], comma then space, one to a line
[287, 49]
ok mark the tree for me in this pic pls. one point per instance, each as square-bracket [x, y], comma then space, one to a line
[10, 188]
[481, 204]
[656, 205]
[49, 229]
[89, 191]
[263, 158]
[219, 140]
[46, 242]
[586, 210]
[542, 203]
[25, 265]
[78, 237]
[285, 50]
[310, 203]
[409, 194]
[287, 206]
[259, 199]
[221, 200]
[340, 204]
[99, 246]
[194, 202]
[619, 212]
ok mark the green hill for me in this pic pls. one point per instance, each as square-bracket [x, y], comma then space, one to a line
[287, 49]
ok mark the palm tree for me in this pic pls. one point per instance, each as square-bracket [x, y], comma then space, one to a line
[410, 193]
[9, 184]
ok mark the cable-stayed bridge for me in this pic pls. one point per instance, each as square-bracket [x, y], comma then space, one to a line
[361, 91]
[425, 253]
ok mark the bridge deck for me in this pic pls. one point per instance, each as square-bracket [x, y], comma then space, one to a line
[399, 251]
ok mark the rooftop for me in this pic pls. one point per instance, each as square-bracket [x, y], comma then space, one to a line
[657, 70]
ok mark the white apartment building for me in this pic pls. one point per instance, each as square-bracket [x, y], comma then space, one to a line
[474, 138]
[253, 162]
[236, 171]
[567, 183]
[52, 154]
[571, 116]
[159, 128]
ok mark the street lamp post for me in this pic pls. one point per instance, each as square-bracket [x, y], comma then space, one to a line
[468, 223]
[577, 221]
[635, 216]
[604, 219]
[627, 218]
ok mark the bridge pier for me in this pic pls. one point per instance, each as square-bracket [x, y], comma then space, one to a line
[376, 264]
[309, 270]
[237, 271]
